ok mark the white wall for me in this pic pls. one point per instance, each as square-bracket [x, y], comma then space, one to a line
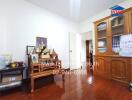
[3, 36]
[87, 25]
[21, 22]
[2, 31]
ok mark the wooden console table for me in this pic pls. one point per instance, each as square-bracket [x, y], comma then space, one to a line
[50, 71]
[42, 69]
[47, 63]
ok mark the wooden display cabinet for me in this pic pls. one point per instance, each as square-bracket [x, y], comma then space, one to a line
[108, 62]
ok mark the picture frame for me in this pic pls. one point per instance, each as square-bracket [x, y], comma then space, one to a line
[34, 58]
[41, 41]
[29, 49]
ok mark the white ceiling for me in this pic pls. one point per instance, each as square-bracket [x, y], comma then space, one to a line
[75, 10]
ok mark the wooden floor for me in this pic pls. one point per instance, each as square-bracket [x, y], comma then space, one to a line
[77, 86]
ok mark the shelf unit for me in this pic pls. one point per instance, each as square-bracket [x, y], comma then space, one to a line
[107, 61]
[11, 77]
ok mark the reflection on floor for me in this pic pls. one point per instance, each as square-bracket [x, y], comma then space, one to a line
[78, 85]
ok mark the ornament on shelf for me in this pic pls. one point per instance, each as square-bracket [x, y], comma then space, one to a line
[45, 56]
[38, 50]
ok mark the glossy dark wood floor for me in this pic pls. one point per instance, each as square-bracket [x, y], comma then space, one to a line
[78, 86]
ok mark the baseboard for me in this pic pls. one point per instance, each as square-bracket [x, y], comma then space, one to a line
[75, 69]
[67, 69]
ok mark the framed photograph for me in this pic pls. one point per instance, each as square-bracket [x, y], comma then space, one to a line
[101, 44]
[29, 49]
[34, 58]
[41, 41]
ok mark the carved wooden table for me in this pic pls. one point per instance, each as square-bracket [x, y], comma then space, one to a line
[40, 70]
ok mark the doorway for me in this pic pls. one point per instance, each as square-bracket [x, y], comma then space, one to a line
[74, 51]
[89, 54]
[87, 51]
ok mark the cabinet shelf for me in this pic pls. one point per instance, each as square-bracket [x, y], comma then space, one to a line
[101, 49]
[102, 38]
[100, 30]
[117, 26]
[118, 35]
[10, 85]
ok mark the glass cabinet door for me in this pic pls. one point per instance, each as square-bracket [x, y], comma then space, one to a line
[101, 37]
[117, 29]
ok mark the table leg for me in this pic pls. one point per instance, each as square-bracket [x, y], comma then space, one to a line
[63, 76]
[32, 84]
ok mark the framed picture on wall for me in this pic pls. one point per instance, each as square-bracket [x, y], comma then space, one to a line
[29, 49]
[41, 41]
